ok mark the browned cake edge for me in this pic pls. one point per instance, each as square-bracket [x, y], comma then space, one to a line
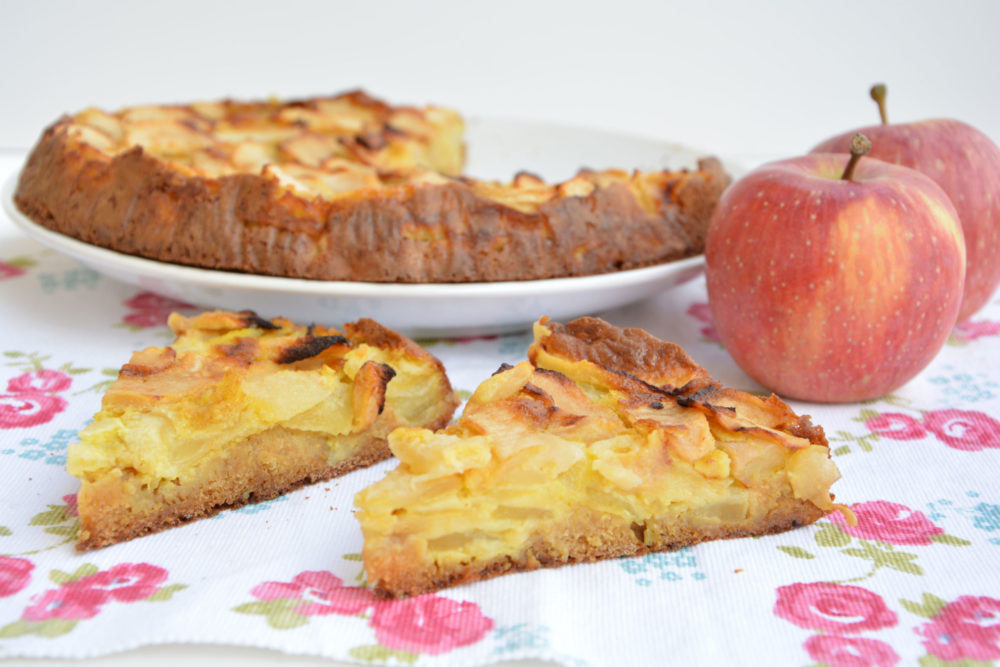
[135, 204]
[586, 536]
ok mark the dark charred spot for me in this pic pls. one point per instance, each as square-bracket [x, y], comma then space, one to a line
[691, 399]
[504, 367]
[656, 405]
[697, 393]
[386, 373]
[250, 319]
[309, 346]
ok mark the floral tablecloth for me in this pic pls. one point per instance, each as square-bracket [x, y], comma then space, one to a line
[917, 580]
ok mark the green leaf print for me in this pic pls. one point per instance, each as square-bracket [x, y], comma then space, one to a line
[379, 653]
[830, 535]
[54, 627]
[70, 369]
[865, 415]
[16, 629]
[796, 552]
[56, 514]
[165, 593]
[50, 628]
[928, 607]
[903, 562]
[896, 560]
[950, 540]
[280, 612]
[5, 531]
[934, 661]
[85, 570]
[68, 530]
[21, 261]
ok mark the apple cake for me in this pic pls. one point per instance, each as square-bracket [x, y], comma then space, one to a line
[607, 443]
[240, 409]
[345, 188]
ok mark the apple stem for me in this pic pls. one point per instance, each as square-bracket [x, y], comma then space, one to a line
[878, 93]
[859, 146]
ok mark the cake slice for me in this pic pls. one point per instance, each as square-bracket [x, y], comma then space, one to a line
[240, 409]
[608, 443]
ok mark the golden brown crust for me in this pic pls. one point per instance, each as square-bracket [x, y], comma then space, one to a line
[627, 350]
[664, 365]
[408, 226]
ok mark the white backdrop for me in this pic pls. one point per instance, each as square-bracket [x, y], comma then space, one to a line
[740, 79]
[735, 78]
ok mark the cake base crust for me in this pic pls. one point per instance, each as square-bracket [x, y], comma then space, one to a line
[586, 536]
[260, 468]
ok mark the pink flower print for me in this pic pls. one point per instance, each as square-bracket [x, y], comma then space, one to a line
[428, 624]
[22, 410]
[41, 381]
[10, 270]
[835, 651]
[969, 628]
[321, 593]
[152, 301]
[703, 313]
[72, 507]
[835, 608]
[145, 319]
[964, 429]
[969, 331]
[896, 426]
[68, 602]
[126, 582]
[29, 400]
[151, 310]
[15, 573]
[889, 522]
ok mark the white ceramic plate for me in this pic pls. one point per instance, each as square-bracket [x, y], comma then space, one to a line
[497, 149]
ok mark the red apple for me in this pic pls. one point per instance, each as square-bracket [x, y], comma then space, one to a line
[966, 164]
[834, 289]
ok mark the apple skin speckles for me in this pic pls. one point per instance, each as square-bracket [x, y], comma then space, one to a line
[845, 294]
[966, 164]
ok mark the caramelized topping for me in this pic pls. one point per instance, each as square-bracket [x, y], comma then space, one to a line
[309, 346]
